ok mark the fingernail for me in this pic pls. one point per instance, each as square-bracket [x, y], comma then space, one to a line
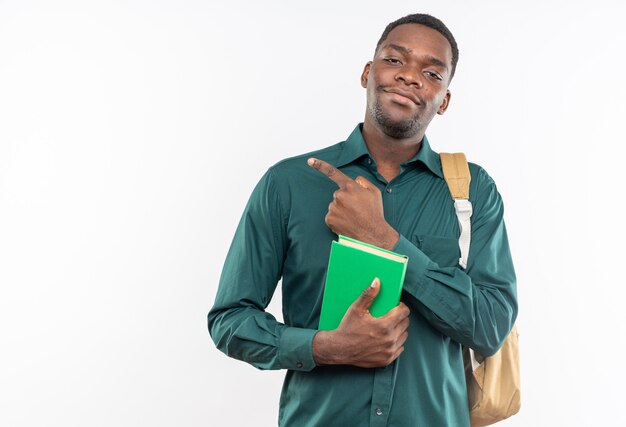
[311, 162]
[374, 282]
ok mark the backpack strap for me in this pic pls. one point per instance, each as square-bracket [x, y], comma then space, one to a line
[457, 175]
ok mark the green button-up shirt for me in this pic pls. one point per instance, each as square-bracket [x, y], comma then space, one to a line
[282, 234]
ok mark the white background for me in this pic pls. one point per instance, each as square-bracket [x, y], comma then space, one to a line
[131, 134]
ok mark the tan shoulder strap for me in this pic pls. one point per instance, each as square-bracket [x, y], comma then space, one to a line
[456, 173]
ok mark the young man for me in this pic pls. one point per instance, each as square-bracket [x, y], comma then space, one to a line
[383, 185]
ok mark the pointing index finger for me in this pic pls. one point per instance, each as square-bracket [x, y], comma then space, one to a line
[334, 174]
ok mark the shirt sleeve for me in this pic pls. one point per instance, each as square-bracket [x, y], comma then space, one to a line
[477, 306]
[237, 322]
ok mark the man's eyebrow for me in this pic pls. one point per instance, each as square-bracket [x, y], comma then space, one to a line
[399, 48]
[436, 61]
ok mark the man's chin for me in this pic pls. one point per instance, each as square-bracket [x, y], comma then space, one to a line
[395, 127]
[399, 129]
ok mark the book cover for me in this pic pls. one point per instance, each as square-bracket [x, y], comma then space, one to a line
[352, 267]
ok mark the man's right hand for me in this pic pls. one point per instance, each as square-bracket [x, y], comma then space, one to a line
[361, 339]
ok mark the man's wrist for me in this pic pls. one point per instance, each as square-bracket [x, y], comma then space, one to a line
[387, 238]
[322, 348]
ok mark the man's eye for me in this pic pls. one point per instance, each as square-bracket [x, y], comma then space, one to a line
[433, 75]
[392, 60]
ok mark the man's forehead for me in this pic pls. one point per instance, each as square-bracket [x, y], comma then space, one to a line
[411, 37]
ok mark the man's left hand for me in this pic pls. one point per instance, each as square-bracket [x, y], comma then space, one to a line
[357, 208]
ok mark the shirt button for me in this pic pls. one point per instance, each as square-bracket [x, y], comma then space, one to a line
[379, 411]
[299, 365]
[388, 190]
[369, 161]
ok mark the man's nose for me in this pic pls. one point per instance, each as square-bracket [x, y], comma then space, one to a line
[410, 76]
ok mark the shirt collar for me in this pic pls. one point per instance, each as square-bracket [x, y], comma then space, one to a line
[354, 148]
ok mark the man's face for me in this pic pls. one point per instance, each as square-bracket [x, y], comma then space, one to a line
[407, 82]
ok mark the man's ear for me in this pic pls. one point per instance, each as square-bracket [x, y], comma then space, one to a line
[365, 74]
[444, 105]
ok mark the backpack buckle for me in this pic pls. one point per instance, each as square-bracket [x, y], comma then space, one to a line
[463, 208]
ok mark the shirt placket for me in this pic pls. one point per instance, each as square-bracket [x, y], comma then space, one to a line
[381, 396]
[382, 393]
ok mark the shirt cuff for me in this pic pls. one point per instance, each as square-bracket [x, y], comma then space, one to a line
[296, 349]
[418, 265]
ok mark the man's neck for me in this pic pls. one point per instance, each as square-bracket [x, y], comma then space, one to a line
[389, 153]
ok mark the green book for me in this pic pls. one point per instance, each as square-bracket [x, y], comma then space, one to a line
[352, 267]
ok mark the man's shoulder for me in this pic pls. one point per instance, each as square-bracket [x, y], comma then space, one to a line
[483, 188]
[480, 175]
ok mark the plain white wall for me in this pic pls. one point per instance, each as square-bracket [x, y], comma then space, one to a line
[132, 132]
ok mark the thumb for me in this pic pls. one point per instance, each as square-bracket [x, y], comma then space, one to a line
[364, 301]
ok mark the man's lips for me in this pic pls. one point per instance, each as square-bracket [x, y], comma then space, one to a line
[403, 93]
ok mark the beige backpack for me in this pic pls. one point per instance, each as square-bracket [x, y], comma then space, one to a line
[493, 383]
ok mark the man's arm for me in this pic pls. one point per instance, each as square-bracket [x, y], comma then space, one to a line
[477, 306]
[242, 329]
[238, 323]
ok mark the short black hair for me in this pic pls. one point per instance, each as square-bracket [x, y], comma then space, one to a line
[428, 21]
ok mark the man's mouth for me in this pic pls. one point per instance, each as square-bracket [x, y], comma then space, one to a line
[402, 94]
